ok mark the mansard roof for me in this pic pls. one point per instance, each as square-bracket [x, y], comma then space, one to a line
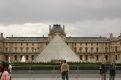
[26, 39]
[57, 29]
[45, 39]
[87, 39]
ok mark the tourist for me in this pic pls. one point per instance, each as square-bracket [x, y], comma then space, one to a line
[64, 70]
[4, 71]
[1, 68]
[10, 69]
[103, 70]
[112, 71]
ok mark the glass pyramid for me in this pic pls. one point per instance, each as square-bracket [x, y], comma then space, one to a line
[57, 49]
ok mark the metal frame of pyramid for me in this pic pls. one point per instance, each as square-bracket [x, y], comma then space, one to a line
[57, 49]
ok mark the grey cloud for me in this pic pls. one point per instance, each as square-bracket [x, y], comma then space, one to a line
[95, 28]
[81, 17]
[81, 28]
[68, 11]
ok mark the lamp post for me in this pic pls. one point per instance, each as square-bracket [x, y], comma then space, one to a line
[35, 54]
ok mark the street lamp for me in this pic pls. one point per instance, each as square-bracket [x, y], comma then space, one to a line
[35, 54]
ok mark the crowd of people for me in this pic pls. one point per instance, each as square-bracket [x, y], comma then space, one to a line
[104, 69]
[6, 69]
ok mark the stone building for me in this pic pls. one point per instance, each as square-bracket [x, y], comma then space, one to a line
[89, 49]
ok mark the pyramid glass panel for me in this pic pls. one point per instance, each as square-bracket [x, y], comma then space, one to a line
[57, 49]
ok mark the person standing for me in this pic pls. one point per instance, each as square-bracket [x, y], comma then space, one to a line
[103, 70]
[64, 70]
[1, 68]
[10, 69]
[4, 71]
[112, 71]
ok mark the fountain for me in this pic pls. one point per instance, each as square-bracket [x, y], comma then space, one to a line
[23, 60]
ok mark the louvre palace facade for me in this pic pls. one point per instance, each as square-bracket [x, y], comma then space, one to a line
[89, 49]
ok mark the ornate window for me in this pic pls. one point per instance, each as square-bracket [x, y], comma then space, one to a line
[27, 49]
[75, 49]
[80, 49]
[97, 57]
[21, 56]
[80, 57]
[92, 49]
[6, 57]
[97, 44]
[80, 44]
[27, 57]
[97, 49]
[86, 57]
[86, 49]
[91, 44]
[21, 44]
[106, 57]
[106, 49]
[116, 49]
[21, 49]
[15, 49]
[32, 57]
[15, 57]
[6, 49]
[116, 57]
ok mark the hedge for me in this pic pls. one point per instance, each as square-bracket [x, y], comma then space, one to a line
[56, 66]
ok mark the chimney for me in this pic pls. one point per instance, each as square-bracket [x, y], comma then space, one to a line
[49, 28]
[111, 35]
[63, 28]
[1, 35]
[11, 35]
[42, 35]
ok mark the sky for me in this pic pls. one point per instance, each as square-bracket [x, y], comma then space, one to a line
[82, 18]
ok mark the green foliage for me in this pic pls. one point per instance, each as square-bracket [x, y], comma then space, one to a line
[56, 66]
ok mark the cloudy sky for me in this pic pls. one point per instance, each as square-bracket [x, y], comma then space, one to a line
[31, 18]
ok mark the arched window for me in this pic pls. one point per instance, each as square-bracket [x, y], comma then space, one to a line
[21, 56]
[32, 49]
[32, 57]
[27, 48]
[86, 57]
[80, 57]
[80, 49]
[15, 49]
[21, 49]
[106, 49]
[75, 49]
[6, 49]
[91, 44]
[106, 57]
[6, 57]
[116, 49]
[91, 49]
[15, 57]
[97, 49]
[27, 57]
[116, 57]
[97, 57]
[86, 49]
